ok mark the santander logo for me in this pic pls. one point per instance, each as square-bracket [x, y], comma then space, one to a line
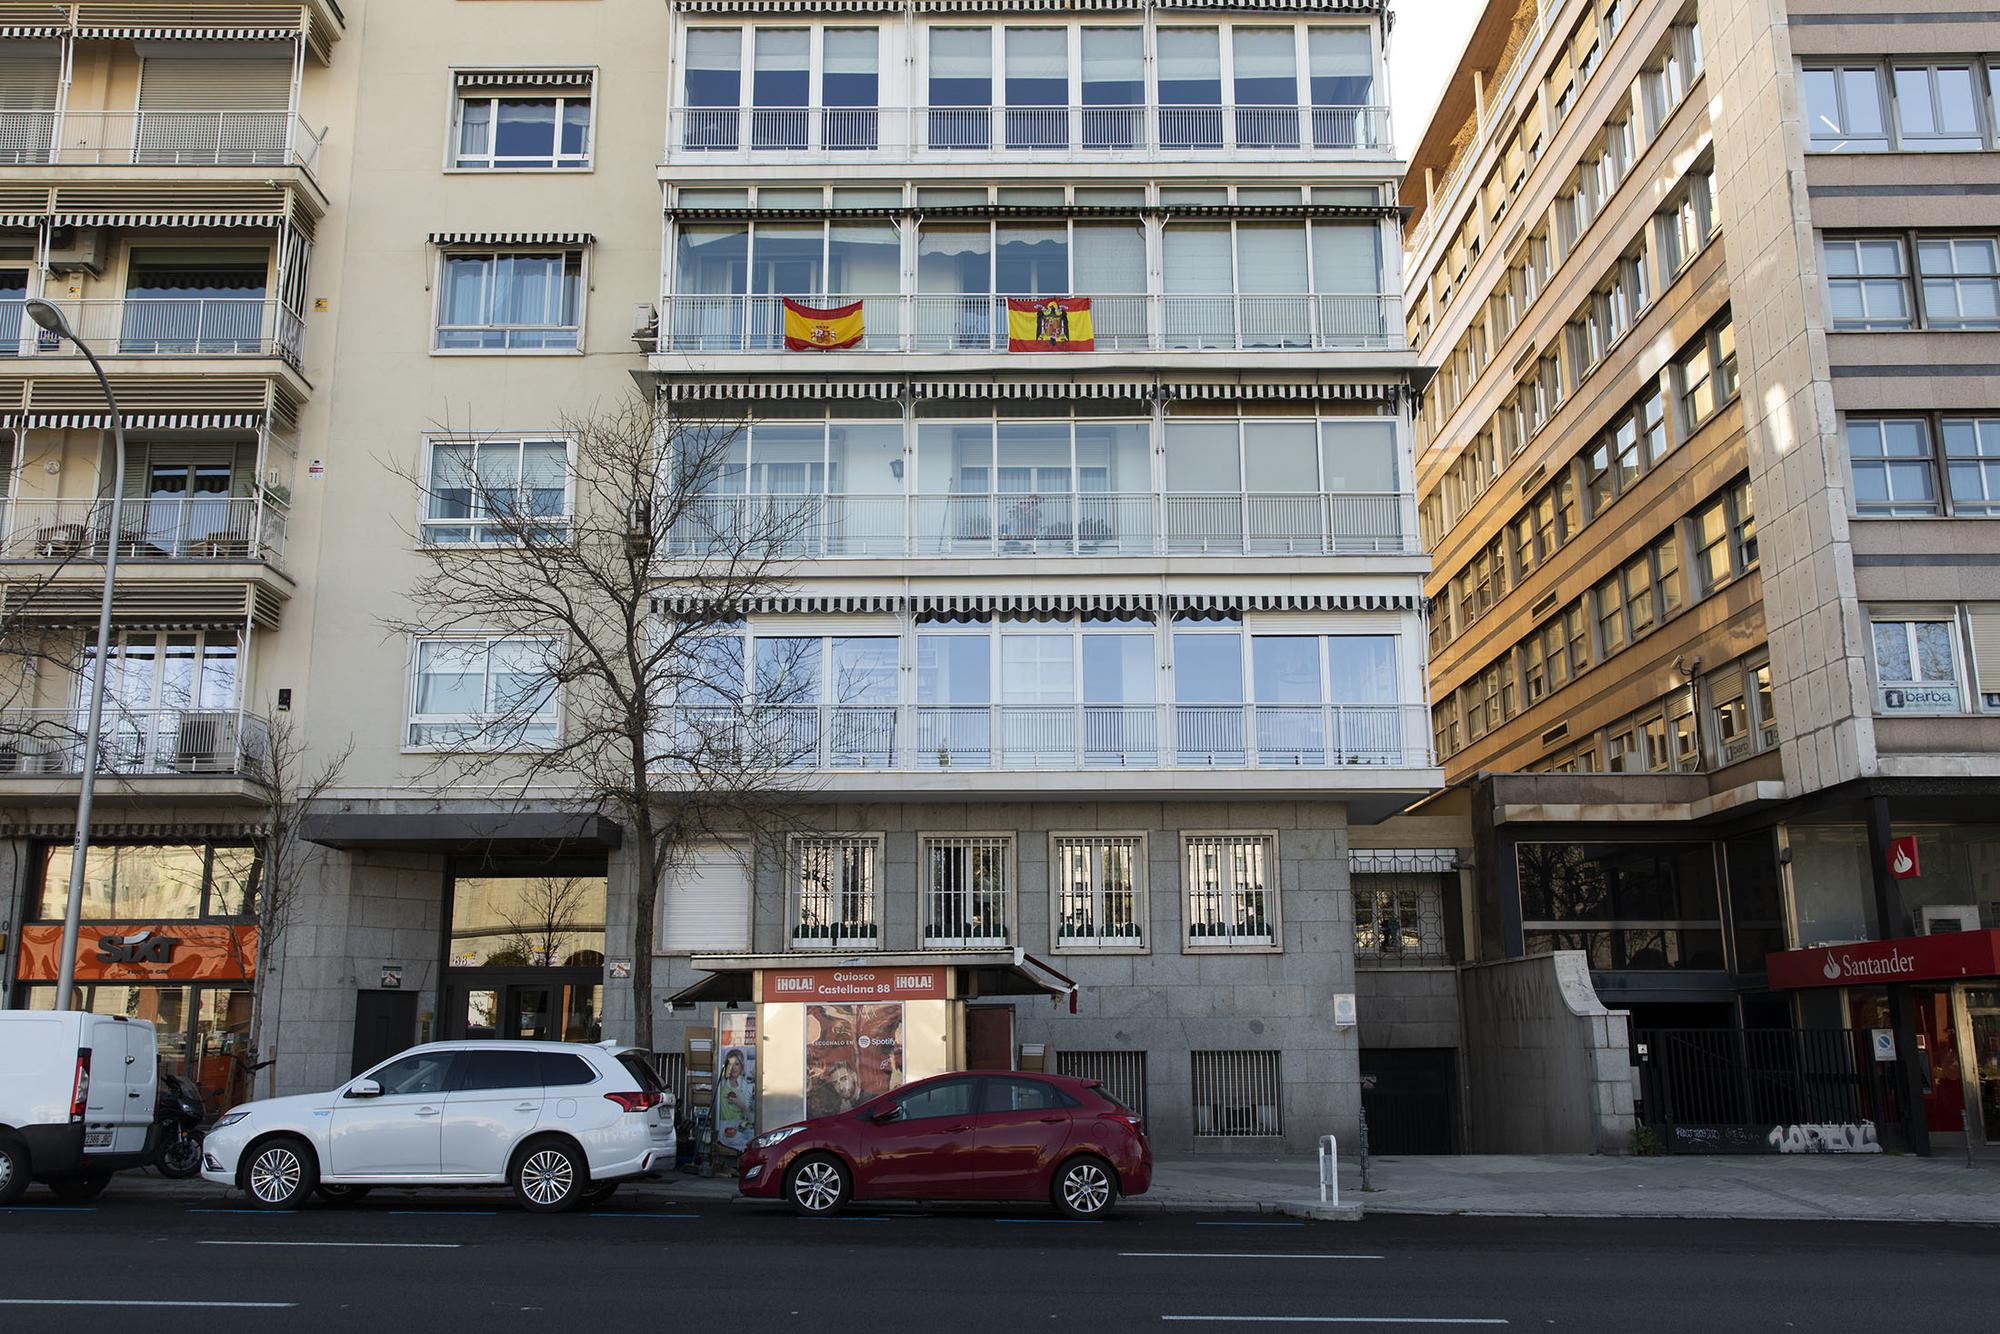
[1900, 863]
[1832, 969]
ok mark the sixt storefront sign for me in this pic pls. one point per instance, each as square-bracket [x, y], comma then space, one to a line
[1952, 955]
[139, 947]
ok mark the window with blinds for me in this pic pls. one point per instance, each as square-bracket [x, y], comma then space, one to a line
[213, 110]
[705, 904]
[1985, 624]
[29, 72]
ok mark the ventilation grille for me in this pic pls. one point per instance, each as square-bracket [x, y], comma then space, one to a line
[1236, 1095]
[1122, 1073]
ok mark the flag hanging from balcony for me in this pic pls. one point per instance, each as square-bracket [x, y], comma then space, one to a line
[812, 329]
[1050, 324]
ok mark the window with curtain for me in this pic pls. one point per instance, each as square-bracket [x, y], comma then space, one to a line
[474, 486]
[1110, 265]
[511, 301]
[1114, 86]
[1265, 65]
[1272, 280]
[1031, 259]
[850, 88]
[485, 691]
[523, 133]
[1189, 61]
[1200, 280]
[1341, 66]
[954, 285]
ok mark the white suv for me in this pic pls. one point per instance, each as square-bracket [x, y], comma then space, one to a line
[560, 1122]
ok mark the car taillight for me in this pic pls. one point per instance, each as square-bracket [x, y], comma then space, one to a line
[635, 1102]
[79, 1094]
[1130, 1120]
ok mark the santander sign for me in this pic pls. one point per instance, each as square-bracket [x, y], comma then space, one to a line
[1868, 963]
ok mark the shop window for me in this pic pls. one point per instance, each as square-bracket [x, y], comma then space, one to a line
[1232, 890]
[1638, 906]
[1398, 918]
[836, 893]
[967, 886]
[1099, 885]
[154, 882]
[1832, 883]
[539, 921]
[1237, 1094]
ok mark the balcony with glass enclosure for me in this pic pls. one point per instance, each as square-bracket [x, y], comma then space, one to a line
[1048, 91]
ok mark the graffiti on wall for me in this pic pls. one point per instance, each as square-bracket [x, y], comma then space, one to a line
[1825, 1137]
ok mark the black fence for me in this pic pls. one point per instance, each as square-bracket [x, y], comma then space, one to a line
[1726, 1090]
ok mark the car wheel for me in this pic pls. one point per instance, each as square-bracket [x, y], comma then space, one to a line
[282, 1172]
[13, 1170]
[818, 1186]
[77, 1189]
[600, 1192]
[549, 1177]
[1085, 1188]
[340, 1195]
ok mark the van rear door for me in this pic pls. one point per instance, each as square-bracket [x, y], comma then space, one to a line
[122, 1077]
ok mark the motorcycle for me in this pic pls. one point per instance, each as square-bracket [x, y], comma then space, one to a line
[183, 1112]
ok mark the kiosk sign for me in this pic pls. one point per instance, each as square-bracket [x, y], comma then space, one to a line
[806, 985]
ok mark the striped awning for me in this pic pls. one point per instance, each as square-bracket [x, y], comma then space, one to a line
[788, 6]
[525, 78]
[961, 606]
[1019, 389]
[708, 391]
[1324, 6]
[778, 604]
[175, 220]
[31, 31]
[166, 831]
[144, 421]
[150, 33]
[513, 238]
[1239, 602]
[21, 219]
[1366, 391]
[1402, 861]
[1021, 6]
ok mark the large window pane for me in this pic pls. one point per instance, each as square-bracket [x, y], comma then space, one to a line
[1208, 668]
[1202, 457]
[1190, 80]
[1037, 74]
[1114, 86]
[545, 921]
[1267, 88]
[1032, 260]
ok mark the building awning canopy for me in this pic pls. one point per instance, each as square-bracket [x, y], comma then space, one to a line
[980, 973]
[512, 238]
[467, 833]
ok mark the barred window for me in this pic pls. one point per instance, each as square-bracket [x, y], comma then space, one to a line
[1232, 890]
[1121, 1073]
[1236, 1094]
[1099, 882]
[968, 882]
[835, 893]
[1398, 918]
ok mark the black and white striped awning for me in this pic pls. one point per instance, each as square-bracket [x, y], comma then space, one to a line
[1370, 391]
[710, 391]
[149, 33]
[1322, 6]
[1402, 861]
[188, 221]
[513, 238]
[526, 78]
[31, 31]
[1019, 389]
[831, 604]
[788, 6]
[978, 606]
[1241, 602]
[144, 421]
[1021, 6]
[21, 219]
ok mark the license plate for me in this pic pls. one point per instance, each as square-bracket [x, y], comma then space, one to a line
[96, 1139]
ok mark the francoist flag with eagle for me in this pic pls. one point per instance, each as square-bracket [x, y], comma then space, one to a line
[1050, 324]
[813, 329]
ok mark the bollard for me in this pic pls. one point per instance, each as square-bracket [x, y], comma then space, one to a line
[1329, 1170]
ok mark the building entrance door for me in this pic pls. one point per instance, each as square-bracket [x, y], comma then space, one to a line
[1982, 1058]
[549, 1005]
[1944, 1076]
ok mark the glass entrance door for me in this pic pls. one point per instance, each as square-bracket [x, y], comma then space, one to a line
[1982, 1009]
[542, 1009]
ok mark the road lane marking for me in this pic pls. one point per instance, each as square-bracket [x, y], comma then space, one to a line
[208, 1209]
[1338, 1319]
[1064, 1222]
[49, 1209]
[462, 1213]
[629, 1213]
[1206, 1223]
[372, 1245]
[99, 1301]
[1234, 1255]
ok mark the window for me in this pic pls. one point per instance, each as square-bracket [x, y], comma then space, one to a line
[968, 887]
[786, 66]
[1610, 596]
[561, 1070]
[487, 692]
[836, 893]
[510, 301]
[478, 491]
[1725, 534]
[420, 1073]
[520, 129]
[1626, 905]
[1936, 108]
[491, 1068]
[532, 921]
[1099, 884]
[949, 1097]
[1237, 1094]
[1398, 918]
[153, 882]
[705, 901]
[1688, 221]
[1232, 890]
[1707, 371]
[1868, 284]
[1121, 1074]
[1844, 111]
[1983, 622]
[1961, 281]
[1916, 663]
[1972, 463]
[1892, 466]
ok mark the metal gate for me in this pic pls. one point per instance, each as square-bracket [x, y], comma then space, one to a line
[1734, 1090]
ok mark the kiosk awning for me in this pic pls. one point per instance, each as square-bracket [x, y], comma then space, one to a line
[979, 973]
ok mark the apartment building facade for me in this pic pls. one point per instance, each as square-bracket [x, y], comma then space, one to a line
[1709, 292]
[1117, 649]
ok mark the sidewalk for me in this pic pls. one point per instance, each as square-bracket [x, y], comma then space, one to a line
[1873, 1188]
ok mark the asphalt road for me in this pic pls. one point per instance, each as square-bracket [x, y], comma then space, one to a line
[474, 1263]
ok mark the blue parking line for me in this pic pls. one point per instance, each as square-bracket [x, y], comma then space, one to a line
[1064, 1222]
[843, 1218]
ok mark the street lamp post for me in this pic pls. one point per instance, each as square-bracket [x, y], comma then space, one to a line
[47, 315]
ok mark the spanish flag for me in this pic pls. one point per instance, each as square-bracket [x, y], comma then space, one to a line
[811, 329]
[1050, 324]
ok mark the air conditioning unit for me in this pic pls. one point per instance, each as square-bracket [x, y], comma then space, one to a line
[645, 323]
[77, 250]
[207, 742]
[1935, 919]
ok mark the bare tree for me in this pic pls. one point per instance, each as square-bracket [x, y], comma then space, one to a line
[546, 914]
[605, 638]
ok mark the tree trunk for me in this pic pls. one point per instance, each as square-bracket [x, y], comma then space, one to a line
[645, 911]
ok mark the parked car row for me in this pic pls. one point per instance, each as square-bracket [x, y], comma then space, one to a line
[560, 1124]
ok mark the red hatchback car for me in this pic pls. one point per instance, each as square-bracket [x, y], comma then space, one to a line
[979, 1136]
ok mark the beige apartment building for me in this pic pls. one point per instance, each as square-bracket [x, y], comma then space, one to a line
[1708, 468]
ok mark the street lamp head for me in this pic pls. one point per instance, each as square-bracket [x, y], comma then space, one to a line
[49, 316]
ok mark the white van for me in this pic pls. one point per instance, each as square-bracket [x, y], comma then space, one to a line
[76, 1099]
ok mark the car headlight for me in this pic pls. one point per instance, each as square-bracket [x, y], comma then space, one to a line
[229, 1119]
[770, 1138]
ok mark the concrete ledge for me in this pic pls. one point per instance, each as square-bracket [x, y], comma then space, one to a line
[1326, 1213]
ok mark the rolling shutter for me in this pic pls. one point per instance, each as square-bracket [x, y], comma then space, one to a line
[1986, 653]
[28, 73]
[705, 907]
[210, 83]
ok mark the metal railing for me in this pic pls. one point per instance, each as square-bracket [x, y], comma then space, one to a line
[1070, 131]
[929, 737]
[160, 327]
[183, 528]
[1724, 1078]
[933, 322]
[1064, 524]
[134, 742]
[159, 139]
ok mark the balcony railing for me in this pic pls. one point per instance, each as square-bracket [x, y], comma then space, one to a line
[160, 327]
[1074, 524]
[185, 528]
[134, 742]
[923, 737]
[1120, 323]
[158, 139]
[1066, 131]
